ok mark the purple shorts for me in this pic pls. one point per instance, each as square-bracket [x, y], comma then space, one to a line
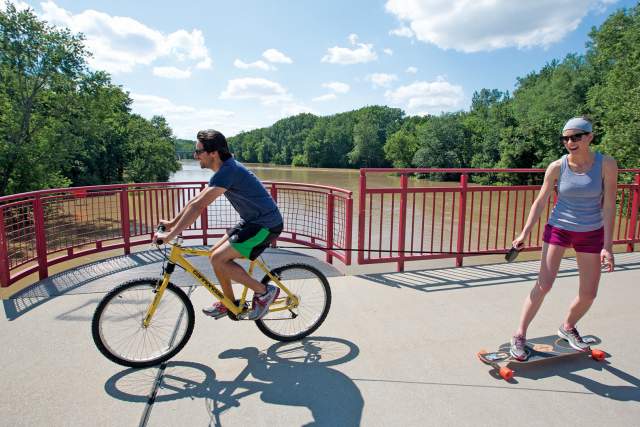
[582, 241]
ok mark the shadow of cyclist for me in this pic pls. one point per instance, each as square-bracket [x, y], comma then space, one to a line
[296, 374]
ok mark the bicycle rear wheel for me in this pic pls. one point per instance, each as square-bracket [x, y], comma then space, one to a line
[120, 335]
[311, 287]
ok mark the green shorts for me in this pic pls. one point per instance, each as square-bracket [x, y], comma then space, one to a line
[250, 240]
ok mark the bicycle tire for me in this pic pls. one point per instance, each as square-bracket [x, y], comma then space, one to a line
[119, 306]
[298, 278]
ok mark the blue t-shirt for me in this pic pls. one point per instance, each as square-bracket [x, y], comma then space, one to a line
[246, 194]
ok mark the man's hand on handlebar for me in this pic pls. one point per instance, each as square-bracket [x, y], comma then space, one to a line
[167, 224]
[161, 236]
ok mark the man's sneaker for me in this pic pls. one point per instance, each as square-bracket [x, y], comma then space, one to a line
[517, 349]
[261, 303]
[216, 311]
[573, 337]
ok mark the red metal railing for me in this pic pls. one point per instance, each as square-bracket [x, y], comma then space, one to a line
[412, 222]
[44, 228]
[419, 222]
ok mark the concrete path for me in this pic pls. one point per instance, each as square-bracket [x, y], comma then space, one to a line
[396, 349]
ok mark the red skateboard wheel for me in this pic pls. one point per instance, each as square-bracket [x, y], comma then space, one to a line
[506, 373]
[598, 355]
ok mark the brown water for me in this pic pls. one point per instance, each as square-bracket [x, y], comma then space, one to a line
[348, 179]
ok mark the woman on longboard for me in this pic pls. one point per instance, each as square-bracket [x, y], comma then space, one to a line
[582, 219]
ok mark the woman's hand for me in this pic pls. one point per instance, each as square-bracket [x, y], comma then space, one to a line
[518, 242]
[606, 259]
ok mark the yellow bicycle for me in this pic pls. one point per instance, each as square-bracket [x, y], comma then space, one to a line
[147, 321]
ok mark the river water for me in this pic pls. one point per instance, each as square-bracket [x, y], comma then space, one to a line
[348, 179]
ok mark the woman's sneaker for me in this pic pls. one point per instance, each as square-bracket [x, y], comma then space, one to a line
[261, 303]
[573, 337]
[517, 349]
[216, 311]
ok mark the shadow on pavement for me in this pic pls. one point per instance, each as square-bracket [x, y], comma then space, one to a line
[289, 374]
[102, 276]
[567, 369]
[448, 279]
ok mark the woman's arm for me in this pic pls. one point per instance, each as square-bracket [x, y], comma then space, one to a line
[610, 189]
[550, 176]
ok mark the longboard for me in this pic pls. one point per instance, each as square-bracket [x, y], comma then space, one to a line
[538, 349]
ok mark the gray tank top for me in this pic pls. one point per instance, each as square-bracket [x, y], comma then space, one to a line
[579, 206]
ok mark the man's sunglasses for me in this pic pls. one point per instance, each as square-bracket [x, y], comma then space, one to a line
[576, 137]
[198, 151]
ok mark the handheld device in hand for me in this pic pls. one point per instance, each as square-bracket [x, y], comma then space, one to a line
[512, 254]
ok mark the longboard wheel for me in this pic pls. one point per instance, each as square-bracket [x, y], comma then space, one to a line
[598, 355]
[506, 373]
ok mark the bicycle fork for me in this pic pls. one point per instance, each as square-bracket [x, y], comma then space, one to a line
[159, 291]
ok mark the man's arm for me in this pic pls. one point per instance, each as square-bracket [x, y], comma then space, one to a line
[191, 212]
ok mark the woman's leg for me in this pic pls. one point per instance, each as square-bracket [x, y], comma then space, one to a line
[549, 265]
[589, 273]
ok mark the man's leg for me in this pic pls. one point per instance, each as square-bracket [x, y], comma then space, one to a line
[589, 273]
[549, 265]
[226, 270]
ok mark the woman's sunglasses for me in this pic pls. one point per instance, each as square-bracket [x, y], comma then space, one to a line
[576, 137]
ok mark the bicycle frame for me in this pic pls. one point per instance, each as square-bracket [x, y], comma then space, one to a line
[176, 257]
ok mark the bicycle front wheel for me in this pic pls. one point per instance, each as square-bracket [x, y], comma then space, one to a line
[118, 330]
[311, 288]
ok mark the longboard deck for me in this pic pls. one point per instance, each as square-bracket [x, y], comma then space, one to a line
[538, 349]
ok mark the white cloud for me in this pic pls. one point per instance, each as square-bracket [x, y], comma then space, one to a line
[403, 31]
[257, 64]
[172, 72]
[381, 79]
[361, 53]
[326, 97]
[473, 26]
[337, 87]
[274, 55]
[427, 97]
[388, 51]
[189, 46]
[185, 121]
[411, 70]
[119, 44]
[266, 91]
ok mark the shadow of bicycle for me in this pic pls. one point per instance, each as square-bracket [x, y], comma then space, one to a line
[289, 374]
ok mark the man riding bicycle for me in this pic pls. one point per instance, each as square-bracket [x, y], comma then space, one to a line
[261, 221]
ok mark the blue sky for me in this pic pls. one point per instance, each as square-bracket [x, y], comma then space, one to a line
[239, 65]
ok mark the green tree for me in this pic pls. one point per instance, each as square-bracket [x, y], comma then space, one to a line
[39, 66]
[373, 125]
[401, 146]
[614, 54]
[151, 151]
[443, 143]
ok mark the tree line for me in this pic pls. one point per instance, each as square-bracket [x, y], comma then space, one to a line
[62, 124]
[500, 130]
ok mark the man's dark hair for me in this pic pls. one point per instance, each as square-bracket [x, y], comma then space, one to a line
[212, 140]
